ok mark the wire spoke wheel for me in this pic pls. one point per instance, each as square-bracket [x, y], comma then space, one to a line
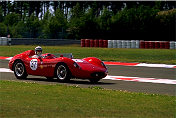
[19, 70]
[62, 73]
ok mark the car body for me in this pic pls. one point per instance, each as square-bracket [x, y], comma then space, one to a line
[63, 68]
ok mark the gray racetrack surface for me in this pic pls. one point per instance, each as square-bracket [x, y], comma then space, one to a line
[145, 72]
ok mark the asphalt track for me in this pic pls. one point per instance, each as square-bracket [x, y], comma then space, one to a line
[131, 86]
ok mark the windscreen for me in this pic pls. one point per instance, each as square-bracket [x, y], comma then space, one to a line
[68, 55]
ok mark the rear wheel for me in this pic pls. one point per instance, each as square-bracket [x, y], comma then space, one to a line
[62, 73]
[19, 70]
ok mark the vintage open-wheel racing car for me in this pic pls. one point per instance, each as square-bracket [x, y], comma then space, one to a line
[62, 68]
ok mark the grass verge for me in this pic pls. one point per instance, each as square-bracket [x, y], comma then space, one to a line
[19, 99]
[165, 56]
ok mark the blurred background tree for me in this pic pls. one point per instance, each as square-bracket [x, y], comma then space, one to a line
[122, 20]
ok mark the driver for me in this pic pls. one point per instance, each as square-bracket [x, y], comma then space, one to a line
[38, 52]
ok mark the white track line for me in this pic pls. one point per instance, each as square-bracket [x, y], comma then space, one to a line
[9, 58]
[5, 70]
[156, 65]
[124, 78]
[141, 79]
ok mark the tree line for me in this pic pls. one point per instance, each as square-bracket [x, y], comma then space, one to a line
[121, 20]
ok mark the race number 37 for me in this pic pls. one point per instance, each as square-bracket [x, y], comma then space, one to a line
[33, 64]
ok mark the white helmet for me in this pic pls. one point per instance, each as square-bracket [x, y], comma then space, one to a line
[38, 50]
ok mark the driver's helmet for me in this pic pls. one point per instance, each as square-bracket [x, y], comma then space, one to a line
[38, 50]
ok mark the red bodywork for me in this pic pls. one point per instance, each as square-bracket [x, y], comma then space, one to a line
[87, 67]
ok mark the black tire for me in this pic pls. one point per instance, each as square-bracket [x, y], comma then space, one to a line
[95, 80]
[19, 70]
[62, 72]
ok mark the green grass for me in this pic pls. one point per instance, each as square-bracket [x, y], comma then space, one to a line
[165, 56]
[19, 99]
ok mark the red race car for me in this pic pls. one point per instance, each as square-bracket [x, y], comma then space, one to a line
[63, 68]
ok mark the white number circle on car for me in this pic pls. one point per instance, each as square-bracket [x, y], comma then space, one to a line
[33, 64]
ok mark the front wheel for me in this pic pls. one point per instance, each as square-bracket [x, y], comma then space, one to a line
[62, 73]
[19, 70]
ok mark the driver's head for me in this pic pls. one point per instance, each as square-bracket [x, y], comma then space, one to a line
[38, 50]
